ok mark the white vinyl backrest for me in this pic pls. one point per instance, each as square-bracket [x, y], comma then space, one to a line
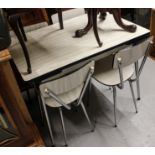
[131, 54]
[68, 82]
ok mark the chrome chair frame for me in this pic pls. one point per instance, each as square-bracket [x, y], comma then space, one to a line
[51, 94]
[121, 86]
[138, 71]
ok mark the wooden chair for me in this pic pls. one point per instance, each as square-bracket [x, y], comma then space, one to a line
[14, 19]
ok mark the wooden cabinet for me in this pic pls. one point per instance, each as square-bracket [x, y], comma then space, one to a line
[16, 125]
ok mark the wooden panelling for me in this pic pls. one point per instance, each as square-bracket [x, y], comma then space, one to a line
[13, 104]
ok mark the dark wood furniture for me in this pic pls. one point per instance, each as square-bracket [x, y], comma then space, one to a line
[92, 21]
[20, 131]
[15, 20]
[51, 11]
[31, 16]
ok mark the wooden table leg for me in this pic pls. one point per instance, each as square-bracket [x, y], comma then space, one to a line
[81, 32]
[92, 22]
[94, 19]
[117, 16]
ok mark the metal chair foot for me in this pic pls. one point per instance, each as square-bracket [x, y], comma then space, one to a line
[138, 99]
[115, 126]
[63, 125]
[87, 117]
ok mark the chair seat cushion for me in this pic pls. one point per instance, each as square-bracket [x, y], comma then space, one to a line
[66, 97]
[111, 77]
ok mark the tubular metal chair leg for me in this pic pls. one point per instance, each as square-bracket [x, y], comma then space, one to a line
[137, 81]
[87, 117]
[49, 127]
[48, 123]
[88, 94]
[133, 95]
[114, 98]
[63, 126]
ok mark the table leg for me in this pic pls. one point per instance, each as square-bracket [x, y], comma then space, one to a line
[94, 18]
[81, 32]
[117, 16]
[92, 22]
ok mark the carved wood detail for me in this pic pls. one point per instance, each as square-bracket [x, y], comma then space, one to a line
[92, 21]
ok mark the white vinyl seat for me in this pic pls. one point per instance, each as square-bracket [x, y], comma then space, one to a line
[67, 97]
[123, 68]
[64, 90]
[112, 77]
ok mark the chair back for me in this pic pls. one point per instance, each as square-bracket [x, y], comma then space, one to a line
[67, 82]
[131, 54]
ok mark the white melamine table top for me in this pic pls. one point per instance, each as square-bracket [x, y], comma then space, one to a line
[51, 49]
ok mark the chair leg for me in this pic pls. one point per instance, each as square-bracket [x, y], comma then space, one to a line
[63, 126]
[48, 123]
[13, 21]
[48, 14]
[87, 117]
[114, 98]
[88, 94]
[88, 102]
[60, 18]
[94, 17]
[22, 29]
[137, 81]
[133, 95]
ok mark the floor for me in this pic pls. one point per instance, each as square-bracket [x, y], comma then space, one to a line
[133, 129]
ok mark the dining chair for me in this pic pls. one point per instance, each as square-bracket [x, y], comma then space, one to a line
[123, 69]
[46, 13]
[14, 18]
[63, 91]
